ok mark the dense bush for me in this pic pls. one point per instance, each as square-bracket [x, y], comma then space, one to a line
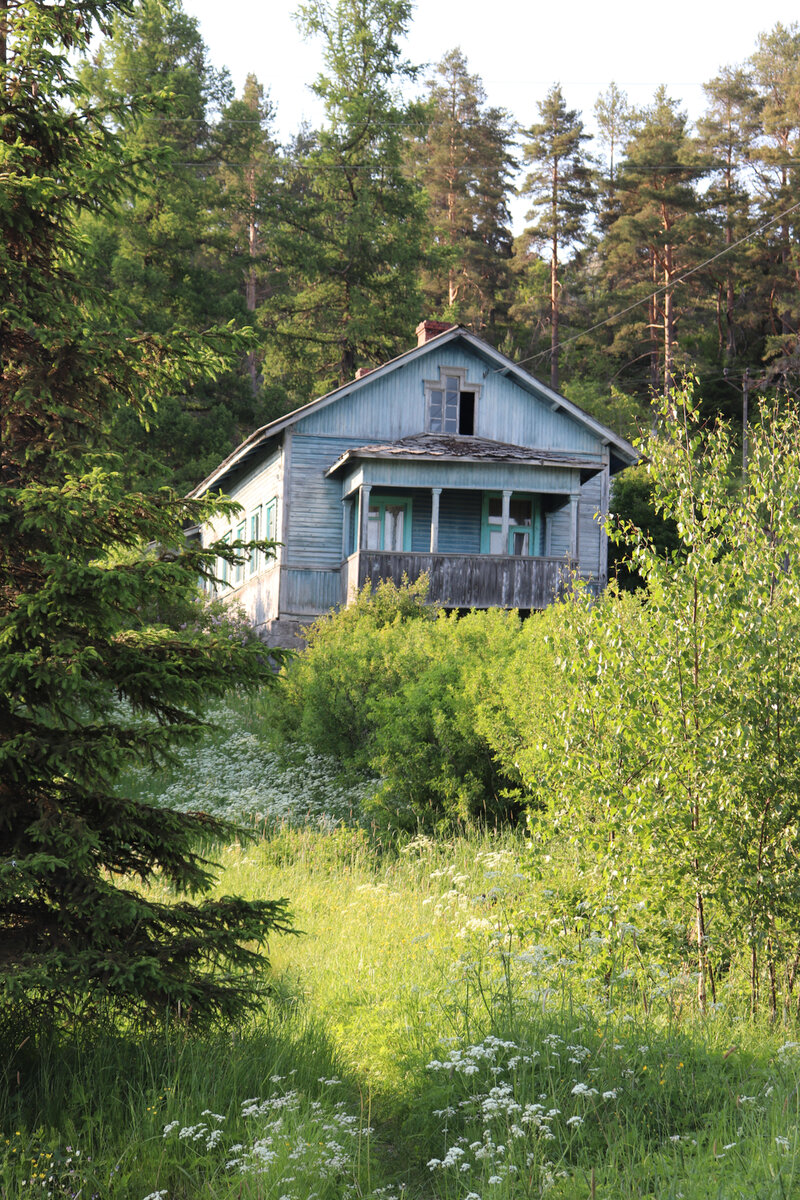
[434, 704]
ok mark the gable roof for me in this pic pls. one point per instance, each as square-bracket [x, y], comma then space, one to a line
[622, 452]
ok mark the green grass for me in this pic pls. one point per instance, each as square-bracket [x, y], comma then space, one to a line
[450, 1024]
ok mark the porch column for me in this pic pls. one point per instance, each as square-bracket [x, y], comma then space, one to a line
[346, 503]
[363, 515]
[574, 525]
[435, 494]
[506, 518]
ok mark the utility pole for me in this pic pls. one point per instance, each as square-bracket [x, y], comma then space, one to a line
[745, 413]
[745, 397]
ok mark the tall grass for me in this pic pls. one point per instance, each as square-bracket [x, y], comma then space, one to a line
[451, 1025]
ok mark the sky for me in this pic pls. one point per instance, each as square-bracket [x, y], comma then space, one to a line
[518, 49]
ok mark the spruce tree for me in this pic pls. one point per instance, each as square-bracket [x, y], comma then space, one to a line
[106, 657]
[560, 186]
[246, 199]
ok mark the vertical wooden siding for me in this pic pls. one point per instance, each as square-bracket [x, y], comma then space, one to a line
[314, 536]
[460, 522]
[308, 593]
[589, 535]
[393, 407]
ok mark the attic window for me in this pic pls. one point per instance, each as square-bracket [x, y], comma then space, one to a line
[451, 403]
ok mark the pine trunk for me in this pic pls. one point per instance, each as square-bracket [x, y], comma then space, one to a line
[250, 286]
[669, 321]
[554, 286]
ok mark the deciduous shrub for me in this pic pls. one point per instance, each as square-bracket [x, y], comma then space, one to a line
[434, 704]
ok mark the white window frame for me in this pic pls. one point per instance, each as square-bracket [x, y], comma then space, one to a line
[440, 385]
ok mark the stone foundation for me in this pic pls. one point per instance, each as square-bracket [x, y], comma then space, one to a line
[287, 633]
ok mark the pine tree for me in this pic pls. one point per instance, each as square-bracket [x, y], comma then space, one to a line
[726, 132]
[616, 121]
[464, 162]
[659, 234]
[560, 187]
[107, 658]
[348, 249]
[776, 74]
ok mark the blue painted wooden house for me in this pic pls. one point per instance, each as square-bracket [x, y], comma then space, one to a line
[450, 460]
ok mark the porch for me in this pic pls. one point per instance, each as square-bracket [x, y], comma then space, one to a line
[465, 580]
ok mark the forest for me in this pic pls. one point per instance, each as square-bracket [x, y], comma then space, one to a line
[446, 906]
[649, 248]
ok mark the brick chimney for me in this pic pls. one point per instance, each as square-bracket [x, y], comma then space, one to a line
[431, 329]
[362, 371]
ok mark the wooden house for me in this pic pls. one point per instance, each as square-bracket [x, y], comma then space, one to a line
[450, 460]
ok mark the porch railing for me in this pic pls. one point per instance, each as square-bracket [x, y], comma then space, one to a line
[465, 580]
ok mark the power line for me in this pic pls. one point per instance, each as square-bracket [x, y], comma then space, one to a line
[660, 291]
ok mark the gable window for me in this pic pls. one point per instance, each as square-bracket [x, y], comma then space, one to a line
[389, 524]
[451, 403]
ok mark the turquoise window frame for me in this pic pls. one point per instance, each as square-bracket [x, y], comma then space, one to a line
[534, 530]
[222, 570]
[270, 527]
[384, 502]
[271, 520]
[255, 536]
[238, 570]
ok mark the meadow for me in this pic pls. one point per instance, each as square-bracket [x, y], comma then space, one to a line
[450, 1023]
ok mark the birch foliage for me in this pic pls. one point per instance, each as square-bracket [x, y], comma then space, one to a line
[679, 767]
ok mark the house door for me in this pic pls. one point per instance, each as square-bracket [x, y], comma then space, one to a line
[520, 524]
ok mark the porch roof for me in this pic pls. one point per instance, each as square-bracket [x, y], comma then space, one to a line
[438, 447]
